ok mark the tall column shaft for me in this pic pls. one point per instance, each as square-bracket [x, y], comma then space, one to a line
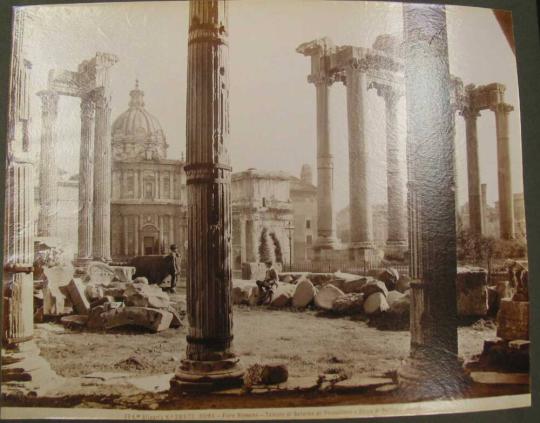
[102, 178]
[433, 367]
[22, 369]
[209, 360]
[86, 179]
[504, 171]
[361, 224]
[476, 220]
[243, 240]
[397, 229]
[326, 224]
[483, 189]
[18, 253]
[48, 168]
[171, 231]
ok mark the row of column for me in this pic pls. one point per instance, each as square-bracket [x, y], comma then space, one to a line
[94, 173]
[138, 184]
[504, 172]
[360, 160]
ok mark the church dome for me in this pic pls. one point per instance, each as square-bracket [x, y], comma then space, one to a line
[137, 134]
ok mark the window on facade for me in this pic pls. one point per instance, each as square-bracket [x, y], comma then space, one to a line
[148, 190]
[166, 187]
[308, 223]
[264, 202]
[130, 187]
[309, 240]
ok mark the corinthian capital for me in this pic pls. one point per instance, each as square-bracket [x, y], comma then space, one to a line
[99, 97]
[321, 79]
[357, 64]
[87, 107]
[389, 93]
[49, 103]
[502, 108]
[469, 113]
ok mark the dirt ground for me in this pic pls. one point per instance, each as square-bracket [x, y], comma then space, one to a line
[308, 343]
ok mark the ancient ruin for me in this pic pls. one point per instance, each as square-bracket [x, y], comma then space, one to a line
[210, 360]
[315, 316]
[90, 83]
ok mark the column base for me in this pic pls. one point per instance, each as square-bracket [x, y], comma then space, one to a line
[25, 372]
[326, 243]
[82, 261]
[396, 249]
[207, 376]
[425, 375]
[363, 251]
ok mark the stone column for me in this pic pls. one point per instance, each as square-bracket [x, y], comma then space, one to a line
[326, 223]
[433, 368]
[126, 235]
[361, 225]
[476, 220]
[86, 180]
[23, 371]
[504, 171]
[243, 240]
[136, 245]
[396, 243]
[48, 168]
[171, 232]
[483, 188]
[209, 361]
[102, 178]
[160, 234]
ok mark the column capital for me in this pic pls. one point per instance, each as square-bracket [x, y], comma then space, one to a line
[389, 93]
[49, 101]
[319, 79]
[502, 108]
[469, 113]
[358, 64]
[87, 107]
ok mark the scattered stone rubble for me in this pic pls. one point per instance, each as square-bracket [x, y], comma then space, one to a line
[104, 298]
[505, 359]
[337, 293]
[384, 297]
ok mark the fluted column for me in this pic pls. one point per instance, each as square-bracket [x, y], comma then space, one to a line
[361, 225]
[432, 368]
[476, 220]
[483, 189]
[22, 369]
[326, 222]
[243, 240]
[397, 228]
[125, 225]
[48, 168]
[102, 178]
[171, 231]
[209, 360]
[86, 179]
[136, 246]
[504, 171]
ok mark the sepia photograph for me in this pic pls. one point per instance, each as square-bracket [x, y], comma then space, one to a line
[263, 210]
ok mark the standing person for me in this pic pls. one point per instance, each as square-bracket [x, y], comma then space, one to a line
[173, 260]
[266, 286]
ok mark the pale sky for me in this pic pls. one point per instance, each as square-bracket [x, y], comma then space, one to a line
[272, 104]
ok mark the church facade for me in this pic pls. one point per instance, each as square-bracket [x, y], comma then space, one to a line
[148, 205]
